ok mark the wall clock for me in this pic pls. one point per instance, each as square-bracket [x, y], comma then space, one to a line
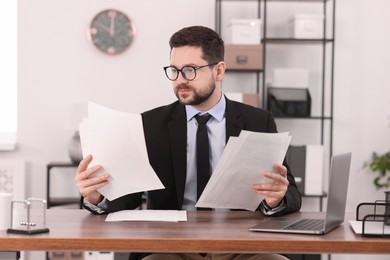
[111, 31]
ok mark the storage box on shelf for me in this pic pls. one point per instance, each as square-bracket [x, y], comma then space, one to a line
[62, 255]
[307, 26]
[245, 31]
[246, 98]
[243, 57]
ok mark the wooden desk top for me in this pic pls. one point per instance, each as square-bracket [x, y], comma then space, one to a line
[203, 232]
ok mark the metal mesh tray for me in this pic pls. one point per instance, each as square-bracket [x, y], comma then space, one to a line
[375, 218]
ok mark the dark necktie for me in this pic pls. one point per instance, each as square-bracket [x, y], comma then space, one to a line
[202, 153]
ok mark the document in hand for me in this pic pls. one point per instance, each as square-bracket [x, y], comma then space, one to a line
[116, 141]
[242, 162]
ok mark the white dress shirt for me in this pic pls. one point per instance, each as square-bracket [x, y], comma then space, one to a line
[217, 139]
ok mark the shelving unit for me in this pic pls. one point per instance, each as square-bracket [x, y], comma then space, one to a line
[321, 119]
[327, 39]
[58, 201]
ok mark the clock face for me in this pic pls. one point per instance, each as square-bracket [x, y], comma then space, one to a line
[111, 31]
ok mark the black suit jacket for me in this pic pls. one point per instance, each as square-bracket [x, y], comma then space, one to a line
[165, 130]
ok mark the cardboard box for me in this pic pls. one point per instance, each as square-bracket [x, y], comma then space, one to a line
[252, 99]
[307, 26]
[76, 255]
[245, 31]
[66, 255]
[244, 57]
[58, 255]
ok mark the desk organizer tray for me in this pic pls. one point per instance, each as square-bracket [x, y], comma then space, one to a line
[375, 218]
[28, 216]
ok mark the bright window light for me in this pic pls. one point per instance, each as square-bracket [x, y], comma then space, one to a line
[8, 75]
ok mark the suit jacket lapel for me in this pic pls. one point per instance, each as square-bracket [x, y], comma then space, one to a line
[177, 126]
[234, 122]
[178, 140]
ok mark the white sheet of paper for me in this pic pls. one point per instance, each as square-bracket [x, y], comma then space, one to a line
[241, 164]
[371, 227]
[148, 215]
[116, 141]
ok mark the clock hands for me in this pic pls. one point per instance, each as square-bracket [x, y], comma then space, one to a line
[103, 27]
[112, 26]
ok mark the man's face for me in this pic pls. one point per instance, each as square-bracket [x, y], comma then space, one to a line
[200, 89]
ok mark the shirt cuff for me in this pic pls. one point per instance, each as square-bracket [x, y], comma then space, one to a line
[267, 210]
[99, 208]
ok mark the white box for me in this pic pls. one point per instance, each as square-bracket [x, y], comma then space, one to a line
[245, 31]
[314, 170]
[294, 78]
[95, 255]
[307, 26]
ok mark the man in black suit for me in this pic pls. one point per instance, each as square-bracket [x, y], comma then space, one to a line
[196, 72]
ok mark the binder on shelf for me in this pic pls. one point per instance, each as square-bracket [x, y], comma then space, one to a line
[307, 164]
[289, 102]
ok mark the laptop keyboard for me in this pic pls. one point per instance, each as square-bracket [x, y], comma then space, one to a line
[307, 224]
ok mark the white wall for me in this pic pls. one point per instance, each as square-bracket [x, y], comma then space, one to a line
[59, 71]
[362, 94]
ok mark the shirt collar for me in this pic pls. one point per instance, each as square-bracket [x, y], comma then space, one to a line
[217, 111]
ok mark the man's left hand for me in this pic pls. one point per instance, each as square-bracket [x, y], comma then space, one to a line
[274, 190]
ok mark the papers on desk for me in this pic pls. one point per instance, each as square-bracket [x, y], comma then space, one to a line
[116, 141]
[148, 215]
[242, 162]
[370, 227]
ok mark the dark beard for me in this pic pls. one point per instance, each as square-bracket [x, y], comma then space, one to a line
[198, 98]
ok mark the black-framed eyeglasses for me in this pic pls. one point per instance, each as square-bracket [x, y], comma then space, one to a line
[188, 72]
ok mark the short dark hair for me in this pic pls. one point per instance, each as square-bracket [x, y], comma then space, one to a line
[199, 36]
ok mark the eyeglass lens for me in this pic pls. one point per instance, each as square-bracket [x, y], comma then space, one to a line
[187, 72]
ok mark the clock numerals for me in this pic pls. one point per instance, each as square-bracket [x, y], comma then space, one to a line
[111, 50]
[111, 31]
[93, 31]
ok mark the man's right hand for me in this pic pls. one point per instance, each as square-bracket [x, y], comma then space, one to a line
[87, 184]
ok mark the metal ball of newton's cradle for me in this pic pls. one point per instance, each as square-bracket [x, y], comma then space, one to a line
[24, 223]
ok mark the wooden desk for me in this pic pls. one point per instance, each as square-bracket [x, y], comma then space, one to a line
[203, 232]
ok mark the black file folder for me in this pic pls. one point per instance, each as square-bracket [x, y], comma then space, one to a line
[289, 102]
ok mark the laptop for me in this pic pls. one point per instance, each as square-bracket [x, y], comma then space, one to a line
[335, 209]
